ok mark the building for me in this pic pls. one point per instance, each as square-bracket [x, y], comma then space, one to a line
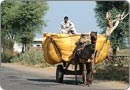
[37, 42]
[17, 47]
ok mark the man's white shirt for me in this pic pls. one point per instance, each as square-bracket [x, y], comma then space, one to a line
[65, 27]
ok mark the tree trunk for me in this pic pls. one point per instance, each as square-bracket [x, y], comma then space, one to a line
[12, 48]
[26, 47]
[12, 51]
[114, 51]
[23, 48]
[4, 49]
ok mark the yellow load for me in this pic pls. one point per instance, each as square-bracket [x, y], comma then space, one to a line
[65, 44]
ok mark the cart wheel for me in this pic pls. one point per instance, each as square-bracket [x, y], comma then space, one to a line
[59, 74]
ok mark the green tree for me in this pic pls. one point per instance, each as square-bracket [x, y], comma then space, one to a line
[120, 34]
[31, 14]
[22, 19]
[8, 15]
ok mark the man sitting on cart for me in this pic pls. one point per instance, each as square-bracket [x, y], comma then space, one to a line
[67, 26]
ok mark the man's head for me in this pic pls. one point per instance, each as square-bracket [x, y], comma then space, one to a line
[66, 19]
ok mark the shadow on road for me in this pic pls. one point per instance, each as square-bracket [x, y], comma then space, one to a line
[69, 82]
[42, 80]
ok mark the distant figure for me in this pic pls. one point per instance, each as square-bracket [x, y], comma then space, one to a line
[67, 27]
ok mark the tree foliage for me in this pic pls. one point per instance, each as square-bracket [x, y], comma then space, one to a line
[22, 19]
[115, 7]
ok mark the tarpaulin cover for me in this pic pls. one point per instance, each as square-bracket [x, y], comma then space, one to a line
[66, 43]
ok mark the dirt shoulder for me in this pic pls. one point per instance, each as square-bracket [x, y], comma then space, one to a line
[27, 68]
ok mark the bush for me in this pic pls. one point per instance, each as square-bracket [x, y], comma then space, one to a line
[31, 57]
[111, 72]
[6, 56]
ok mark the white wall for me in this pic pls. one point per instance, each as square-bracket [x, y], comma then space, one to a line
[34, 44]
[17, 47]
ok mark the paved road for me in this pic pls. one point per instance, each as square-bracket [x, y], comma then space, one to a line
[18, 77]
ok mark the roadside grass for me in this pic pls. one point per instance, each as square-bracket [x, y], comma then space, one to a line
[114, 69]
[110, 71]
[33, 57]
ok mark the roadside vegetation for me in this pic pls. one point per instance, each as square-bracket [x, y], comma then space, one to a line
[32, 57]
[119, 38]
[113, 70]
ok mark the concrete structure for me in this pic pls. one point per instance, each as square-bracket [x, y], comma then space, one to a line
[37, 42]
[17, 47]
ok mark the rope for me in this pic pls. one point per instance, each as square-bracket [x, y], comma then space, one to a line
[56, 48]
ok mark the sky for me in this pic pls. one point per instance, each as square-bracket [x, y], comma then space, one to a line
[81, 13]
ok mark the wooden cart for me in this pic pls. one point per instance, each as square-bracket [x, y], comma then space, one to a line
[53, 54]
